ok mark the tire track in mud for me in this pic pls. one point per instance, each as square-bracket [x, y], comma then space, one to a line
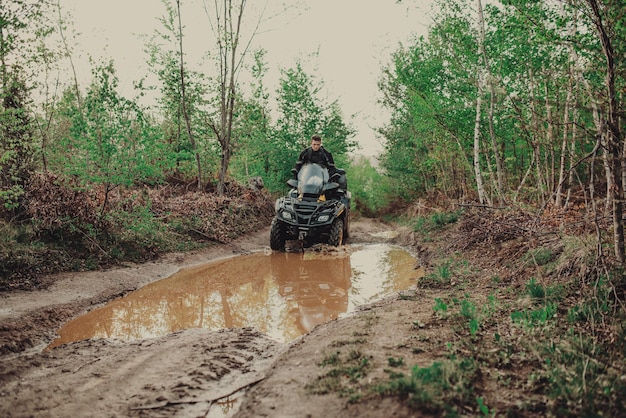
[182, 374]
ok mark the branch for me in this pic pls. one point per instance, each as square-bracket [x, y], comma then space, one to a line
[481, 206]
[210, 400]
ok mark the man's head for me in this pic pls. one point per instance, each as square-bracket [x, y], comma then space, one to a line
[316, 142]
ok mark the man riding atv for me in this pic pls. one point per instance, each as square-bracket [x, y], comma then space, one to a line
[317, 209]
[316, 154]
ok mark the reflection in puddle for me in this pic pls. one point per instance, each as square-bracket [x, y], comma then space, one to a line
[283, 295]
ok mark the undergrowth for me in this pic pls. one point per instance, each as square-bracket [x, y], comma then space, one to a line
[72, 228]
[550, 339]
[443, 387]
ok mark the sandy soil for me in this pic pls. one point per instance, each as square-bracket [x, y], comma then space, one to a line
[237, 372]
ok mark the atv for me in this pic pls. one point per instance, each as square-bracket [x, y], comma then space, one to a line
[316, 209]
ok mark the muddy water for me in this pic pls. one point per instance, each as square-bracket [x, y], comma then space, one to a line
[284, 295]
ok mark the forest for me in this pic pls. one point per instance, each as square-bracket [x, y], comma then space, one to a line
[506, 119]
[516, 103]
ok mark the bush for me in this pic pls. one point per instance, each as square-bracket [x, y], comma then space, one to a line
[69, 230]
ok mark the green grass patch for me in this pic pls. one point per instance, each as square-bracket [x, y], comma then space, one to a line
[343, 373]
[539, 256]
[434, 222]
[441, 388]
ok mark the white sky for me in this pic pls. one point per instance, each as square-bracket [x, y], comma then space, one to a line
[354, 38]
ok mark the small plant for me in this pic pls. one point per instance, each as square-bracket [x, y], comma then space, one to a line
[439, 388]
[345, 372]
[440, 308]
[536, 290]
[435, 280]
[489, 309]
[330, 360]
[444, 271]
[484, 409]
[539, 256]
[474, 326]
[440, 219]
[341, 343]
[393, 362]
[532, 317]
[541, 293]
[468, 311]
[435, 222]
[594, 309]
[419, 224]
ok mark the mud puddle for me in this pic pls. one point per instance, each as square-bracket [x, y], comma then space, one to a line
[283, 295]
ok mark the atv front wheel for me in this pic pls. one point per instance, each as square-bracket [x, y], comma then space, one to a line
[336, 233]
[277, 235]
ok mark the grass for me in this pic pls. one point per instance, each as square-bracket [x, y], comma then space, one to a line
[427, 224]
[440, 388]
[539, 256]
[343, 371]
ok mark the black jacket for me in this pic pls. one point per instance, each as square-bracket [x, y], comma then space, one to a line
[321, 156]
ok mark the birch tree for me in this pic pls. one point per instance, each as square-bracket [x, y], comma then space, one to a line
[480, 81]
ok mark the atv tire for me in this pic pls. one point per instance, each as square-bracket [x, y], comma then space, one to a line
[277, 235]
[336, 233]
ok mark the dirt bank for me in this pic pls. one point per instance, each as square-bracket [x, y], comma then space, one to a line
[184, 374]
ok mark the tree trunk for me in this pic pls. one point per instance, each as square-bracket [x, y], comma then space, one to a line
[492, 102]
[564, 143]
[480, 187]
[535, 141]
[184, 100]
[229, 32]
[480, 79]
[549, 140]
[615, 146]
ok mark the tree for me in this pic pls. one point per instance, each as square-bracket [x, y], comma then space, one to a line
[302, 113]
[370, 189]
[22, 25]
[111, 141]
[183, 94]
[601, 18]
[428, 139]
[226, 21]
[482, 75]
[16, 144]
[252, 152]
[180, 100]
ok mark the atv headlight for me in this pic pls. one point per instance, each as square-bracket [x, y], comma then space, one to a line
[323, 218]
[287, 215]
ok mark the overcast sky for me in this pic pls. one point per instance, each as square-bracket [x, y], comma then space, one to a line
[353, 39]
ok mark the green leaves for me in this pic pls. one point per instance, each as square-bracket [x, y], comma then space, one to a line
[270, 149]
[543, 71]
[110, 140]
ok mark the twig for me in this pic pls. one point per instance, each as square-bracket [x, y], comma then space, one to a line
[86, 364]
[207, 236]
[197, 400]
[476, 205]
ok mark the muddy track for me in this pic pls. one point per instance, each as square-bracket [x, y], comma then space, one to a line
[189, 373]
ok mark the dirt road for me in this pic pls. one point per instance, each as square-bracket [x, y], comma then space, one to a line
[190, 373]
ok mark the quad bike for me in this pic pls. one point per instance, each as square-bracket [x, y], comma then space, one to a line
[316, 209]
